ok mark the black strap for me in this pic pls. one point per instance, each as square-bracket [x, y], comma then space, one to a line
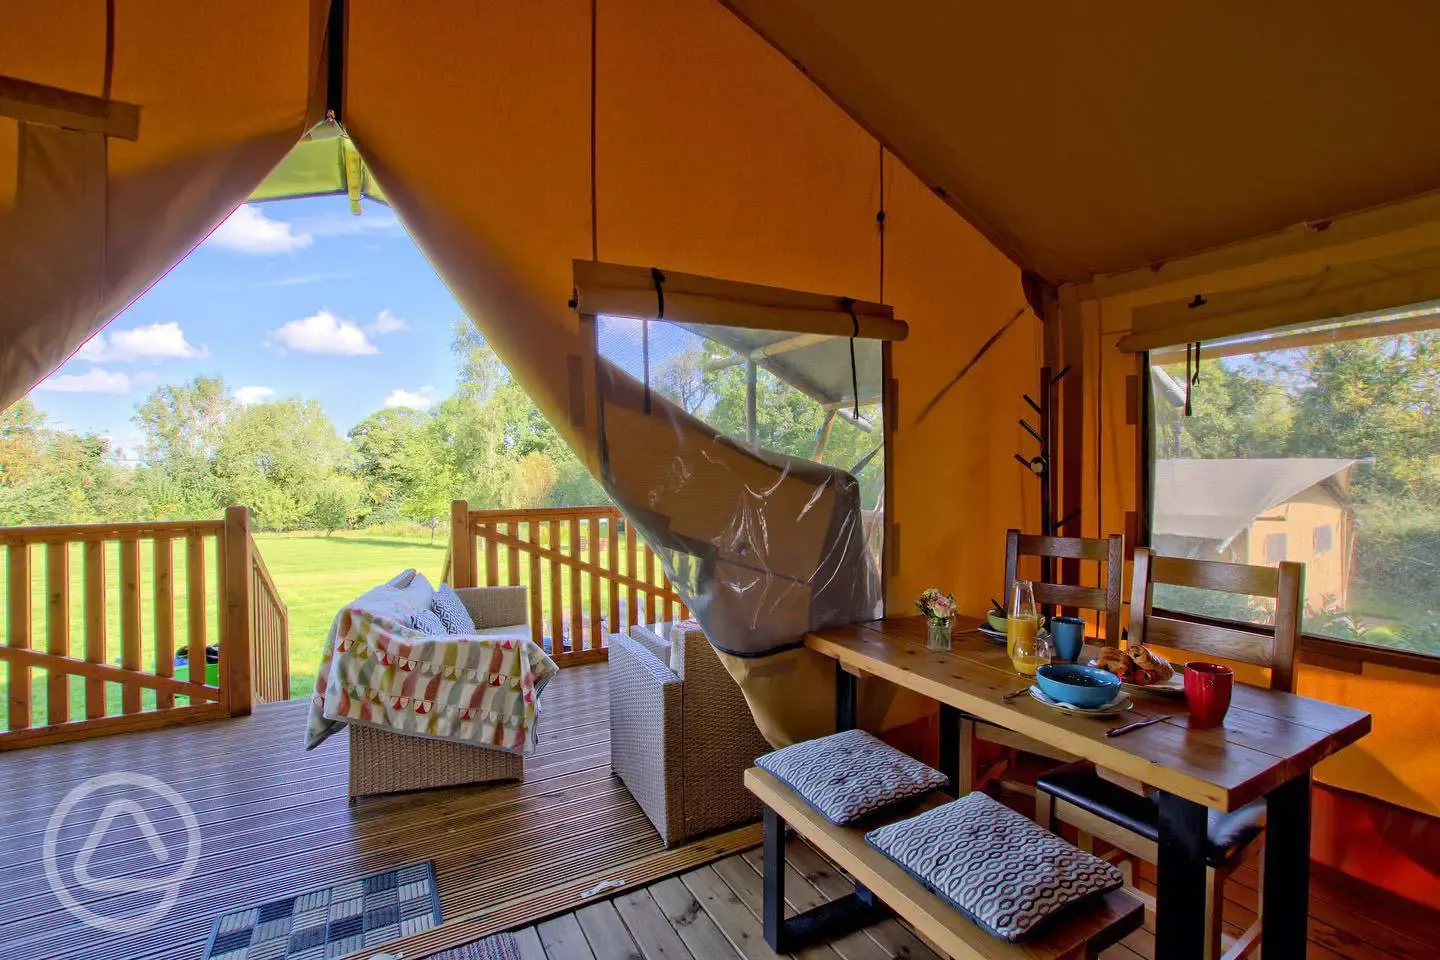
[1189, 375]
[849, 306]
[658, 279]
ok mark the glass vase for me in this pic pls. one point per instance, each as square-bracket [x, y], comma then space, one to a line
[937, 637]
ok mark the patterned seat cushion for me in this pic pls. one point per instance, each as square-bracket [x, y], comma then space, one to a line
[451, 610]
[850, 775]
[1002, 870]
[428, 623]
[402, 579]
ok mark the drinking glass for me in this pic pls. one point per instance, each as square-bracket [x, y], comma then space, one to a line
[1024, 620]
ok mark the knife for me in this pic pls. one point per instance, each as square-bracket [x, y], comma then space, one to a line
[1116, 731]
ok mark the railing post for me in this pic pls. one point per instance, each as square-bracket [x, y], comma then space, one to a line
[462, 554]
[235, 639]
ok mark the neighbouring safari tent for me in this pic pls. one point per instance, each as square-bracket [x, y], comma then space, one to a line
[1067, 185]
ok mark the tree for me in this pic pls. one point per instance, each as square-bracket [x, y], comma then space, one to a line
[181, 426]
[274, 457]
[393, 456]
[336, 502]
[1238, 410]
[22, 442]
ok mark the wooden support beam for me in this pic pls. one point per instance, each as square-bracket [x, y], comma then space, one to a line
[770, 350]
[18, 632]
[235, 639]
[54, 107]
[462, 546]
[752, 372]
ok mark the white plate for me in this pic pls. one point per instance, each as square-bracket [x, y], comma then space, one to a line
[1120, 704]
[991, 634]
[1174, 687]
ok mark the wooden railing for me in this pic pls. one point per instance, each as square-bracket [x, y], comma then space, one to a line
[107, 663]
[269, 634]
[587, 573]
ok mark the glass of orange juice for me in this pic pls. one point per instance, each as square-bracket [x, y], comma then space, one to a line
[1021, 628]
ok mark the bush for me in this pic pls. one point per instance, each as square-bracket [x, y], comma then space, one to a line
[1395, 572]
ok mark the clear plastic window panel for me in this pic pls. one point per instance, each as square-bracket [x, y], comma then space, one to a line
[1317, 445]
[744, 459]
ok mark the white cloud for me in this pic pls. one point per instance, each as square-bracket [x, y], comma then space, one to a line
[248, 395]
[422, 399]
[94, 380]
[157, 341]
[324, 332]
[248, 230]
[375, 220]
[300, 279]
[387, 322]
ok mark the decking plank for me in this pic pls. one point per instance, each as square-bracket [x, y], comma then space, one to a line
[606, 933]
[275, 819]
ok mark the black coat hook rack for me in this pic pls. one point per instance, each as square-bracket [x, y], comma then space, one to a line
[1041, 465]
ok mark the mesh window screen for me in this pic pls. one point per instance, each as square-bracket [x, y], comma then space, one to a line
[745, 467]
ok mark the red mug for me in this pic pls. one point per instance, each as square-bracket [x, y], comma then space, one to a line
[1207, 692]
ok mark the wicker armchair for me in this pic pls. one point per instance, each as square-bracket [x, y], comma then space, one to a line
[681, 740]
[385, 762]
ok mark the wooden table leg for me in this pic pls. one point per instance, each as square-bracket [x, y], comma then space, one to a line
[950, 747]
[1286, 881]
[1180, 880]
[846, 695]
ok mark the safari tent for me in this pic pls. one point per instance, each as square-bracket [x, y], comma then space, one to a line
[964, 193]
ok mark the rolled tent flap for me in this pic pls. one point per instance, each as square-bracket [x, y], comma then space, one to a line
[89, 221]
[1343, 290]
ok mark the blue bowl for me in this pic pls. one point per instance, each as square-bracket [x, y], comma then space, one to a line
[1077, 684]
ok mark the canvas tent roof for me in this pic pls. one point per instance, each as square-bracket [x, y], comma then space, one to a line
[818, 367]
[1217, 499]
[1088, 138]
[324, 162]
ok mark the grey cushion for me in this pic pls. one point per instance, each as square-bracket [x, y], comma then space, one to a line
[1002, 870]
[850, 775]
[452, 611]
[427, 622]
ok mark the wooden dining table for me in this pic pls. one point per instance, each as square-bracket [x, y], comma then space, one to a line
[1266, 748]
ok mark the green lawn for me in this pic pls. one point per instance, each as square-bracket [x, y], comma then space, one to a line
[315, 575]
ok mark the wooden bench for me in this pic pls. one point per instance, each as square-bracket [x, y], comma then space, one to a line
[882, 886]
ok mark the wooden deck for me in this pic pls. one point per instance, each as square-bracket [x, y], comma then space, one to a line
[713, 913]
[275, 820]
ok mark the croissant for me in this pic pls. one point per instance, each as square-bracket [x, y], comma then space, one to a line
[1153, 667]
[1115, 661]
[1137, 665]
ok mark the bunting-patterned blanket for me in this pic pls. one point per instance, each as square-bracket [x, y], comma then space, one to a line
[483, 691]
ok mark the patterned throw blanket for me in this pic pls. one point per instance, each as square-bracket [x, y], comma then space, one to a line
[479, 690]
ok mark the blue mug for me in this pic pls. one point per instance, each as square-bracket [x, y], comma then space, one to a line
[1068, 636]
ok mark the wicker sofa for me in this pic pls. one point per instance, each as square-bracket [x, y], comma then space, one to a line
[385, 762]
[681, 733]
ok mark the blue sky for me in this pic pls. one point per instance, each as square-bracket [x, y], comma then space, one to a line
[293, 298]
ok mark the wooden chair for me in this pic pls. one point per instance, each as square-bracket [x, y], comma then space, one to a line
[1105, 601]
[1126, 815]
